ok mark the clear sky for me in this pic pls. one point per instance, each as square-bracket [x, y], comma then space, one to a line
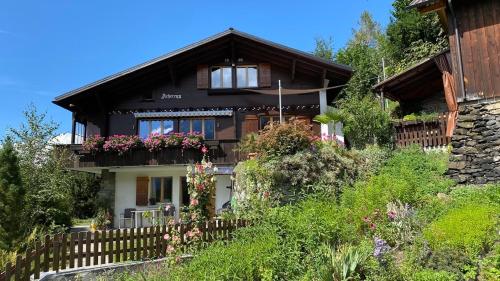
[50, 47]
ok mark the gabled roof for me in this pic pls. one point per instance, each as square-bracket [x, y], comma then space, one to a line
[338, 68]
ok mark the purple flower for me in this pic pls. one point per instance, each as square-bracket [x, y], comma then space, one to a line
[381, 247]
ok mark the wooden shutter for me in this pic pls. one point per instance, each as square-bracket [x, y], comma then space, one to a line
[264, 75]
[250, 125]
[202, 77]
[141, 191]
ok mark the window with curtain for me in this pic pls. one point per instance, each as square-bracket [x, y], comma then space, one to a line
[221, 77]
[246, 76]
[204, 126]
[161, 190]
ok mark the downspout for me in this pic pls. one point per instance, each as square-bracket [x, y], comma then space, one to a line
[459, 51]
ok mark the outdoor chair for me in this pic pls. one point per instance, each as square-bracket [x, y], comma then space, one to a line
[127, 215]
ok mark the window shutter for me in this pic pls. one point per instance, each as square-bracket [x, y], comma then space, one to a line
[250, 125]
[141, 191]
[264, 75]
[202, 77]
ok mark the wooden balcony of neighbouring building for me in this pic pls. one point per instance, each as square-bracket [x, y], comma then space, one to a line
[219, 152]
[429, 133]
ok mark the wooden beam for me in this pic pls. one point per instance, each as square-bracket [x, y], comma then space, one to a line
[323, 78]
[294, 62]
[433, 7]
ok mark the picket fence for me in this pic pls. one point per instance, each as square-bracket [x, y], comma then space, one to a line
[83, 249]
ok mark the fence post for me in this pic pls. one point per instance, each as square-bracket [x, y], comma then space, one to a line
[64, 248]
[55, 253]
[18, 267]
[80, 249]
[46, 253]
[103, 248]
[27, 267]
[72, 239]
[132, 248]
[110, 246]
[8, 271]
[96, 248]
[118, 248]
[88, 252]
[125, 246]
[38, 253]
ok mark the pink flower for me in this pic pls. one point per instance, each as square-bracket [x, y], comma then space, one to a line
[167, 208]
[194, 202]
[166, 237]
[170, 249]
[204, 149]
[366, 219]
[266, 194]
[391, 214]
[190, 234]
[372, 226]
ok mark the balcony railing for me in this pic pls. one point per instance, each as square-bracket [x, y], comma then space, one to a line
[428, 134]
[220, 152]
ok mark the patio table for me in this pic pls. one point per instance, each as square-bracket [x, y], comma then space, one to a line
[136, 214]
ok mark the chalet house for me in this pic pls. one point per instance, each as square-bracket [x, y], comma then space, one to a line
[470, 83]
[222, 87]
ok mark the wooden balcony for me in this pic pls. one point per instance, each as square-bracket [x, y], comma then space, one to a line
[220, 152]
[427, 134]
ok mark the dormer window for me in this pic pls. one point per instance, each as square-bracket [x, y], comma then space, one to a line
[222, 77]
[246, 76]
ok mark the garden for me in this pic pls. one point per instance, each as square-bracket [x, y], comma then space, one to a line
[322, 212]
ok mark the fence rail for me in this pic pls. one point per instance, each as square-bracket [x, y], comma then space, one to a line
[427, 134]
[76, 250]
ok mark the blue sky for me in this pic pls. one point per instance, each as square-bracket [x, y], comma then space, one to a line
[50, 47]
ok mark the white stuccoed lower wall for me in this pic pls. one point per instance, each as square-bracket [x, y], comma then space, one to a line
[126, 187]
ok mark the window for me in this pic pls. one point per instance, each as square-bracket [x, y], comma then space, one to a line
[204, 126]
[79, 133]
[161, 190]
[246, 76]
[148, 127]
[222, 77]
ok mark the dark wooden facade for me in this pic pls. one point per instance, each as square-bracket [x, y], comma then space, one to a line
[478, 24]
[180, 81]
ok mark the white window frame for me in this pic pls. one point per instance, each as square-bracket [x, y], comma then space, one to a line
[221, 78]
[202, 125]
[246, 67]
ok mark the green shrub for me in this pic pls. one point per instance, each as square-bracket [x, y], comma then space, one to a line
[284, 139]
[429, 275]
[470, 228]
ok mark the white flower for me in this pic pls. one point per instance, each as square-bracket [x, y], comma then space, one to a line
[189, 168]
[216, 169]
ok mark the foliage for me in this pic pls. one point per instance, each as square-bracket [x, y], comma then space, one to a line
[490, 265]
[365, 123]
[102, 220]
[470, 228]
[372, 159]
[192, 141]
[284, 139]
[430, 275]
[324, 48]
[122, 143]
[346, 261]
[248, 143]
[426, 117]
[84, 189]
[43, 171]
[412, 36]
[12, 194]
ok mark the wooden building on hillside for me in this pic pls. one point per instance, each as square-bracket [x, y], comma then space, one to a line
[223, 87]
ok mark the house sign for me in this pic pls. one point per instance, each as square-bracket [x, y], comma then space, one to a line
[171, 96]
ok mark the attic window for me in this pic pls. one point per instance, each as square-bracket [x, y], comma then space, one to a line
[246, 76]
[221, 77]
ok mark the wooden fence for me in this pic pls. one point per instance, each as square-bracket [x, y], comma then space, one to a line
[75, 250]
[427, 134]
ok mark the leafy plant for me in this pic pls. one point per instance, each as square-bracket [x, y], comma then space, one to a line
[346, 262]
[122, 143]
[470, 228]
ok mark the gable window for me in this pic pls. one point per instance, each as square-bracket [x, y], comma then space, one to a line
[161, 190]
[246, 76]
[148, 127]
[205, 126]
[221, 77]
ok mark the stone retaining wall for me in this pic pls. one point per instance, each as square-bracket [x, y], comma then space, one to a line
[475, 157]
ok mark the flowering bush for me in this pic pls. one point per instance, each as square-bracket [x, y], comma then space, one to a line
[192, 141]
[201, 184]
[122, 143]
[93, 143]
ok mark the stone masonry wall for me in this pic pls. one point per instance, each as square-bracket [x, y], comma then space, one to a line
[475, 157]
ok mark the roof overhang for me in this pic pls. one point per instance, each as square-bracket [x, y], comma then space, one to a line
[414, 83]
[428, 6]
[330, 68]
